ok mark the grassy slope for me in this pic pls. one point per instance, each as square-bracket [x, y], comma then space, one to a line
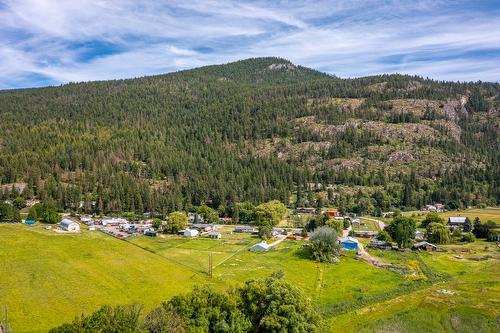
[48, 278]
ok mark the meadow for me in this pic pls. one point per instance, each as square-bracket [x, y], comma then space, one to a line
[484, 214]
[48, 278]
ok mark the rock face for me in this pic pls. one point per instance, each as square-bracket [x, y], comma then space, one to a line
[400, 157]
[280, 66]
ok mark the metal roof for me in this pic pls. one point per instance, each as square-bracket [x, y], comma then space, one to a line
[457, 219]
[66, 222]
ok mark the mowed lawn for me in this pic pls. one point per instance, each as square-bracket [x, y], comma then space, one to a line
[47, 278]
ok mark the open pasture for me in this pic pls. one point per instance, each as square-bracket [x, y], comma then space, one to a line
[48, 278]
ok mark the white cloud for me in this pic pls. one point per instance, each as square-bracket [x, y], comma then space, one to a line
[347, 38]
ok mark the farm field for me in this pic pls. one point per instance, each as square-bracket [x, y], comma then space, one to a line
[57, 276]
[484, 214]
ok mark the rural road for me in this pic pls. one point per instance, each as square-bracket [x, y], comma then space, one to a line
[381, 224]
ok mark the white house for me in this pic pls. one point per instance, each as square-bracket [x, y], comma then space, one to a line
[261, 247]
[191, 233]
[69, 225]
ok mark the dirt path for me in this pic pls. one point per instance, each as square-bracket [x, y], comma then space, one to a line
[345, 233]
[279, 240]
[364, 255]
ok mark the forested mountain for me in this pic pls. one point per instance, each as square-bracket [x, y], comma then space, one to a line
[255, 130]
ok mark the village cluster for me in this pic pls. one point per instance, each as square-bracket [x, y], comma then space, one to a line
[123, 228]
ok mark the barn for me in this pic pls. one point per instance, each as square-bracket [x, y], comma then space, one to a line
[69, 225]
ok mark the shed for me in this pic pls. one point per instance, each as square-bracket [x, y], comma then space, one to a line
[349, 243]
[191, 233]
[425, 246]
[261, 247]
[29, 222]
[215, 235]
[69, 225]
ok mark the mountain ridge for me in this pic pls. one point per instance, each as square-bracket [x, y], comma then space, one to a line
[257, 129]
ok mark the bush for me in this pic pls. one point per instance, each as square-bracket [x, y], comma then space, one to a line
[324, 244]
[432, 218]
[468, 237]
[384, 236]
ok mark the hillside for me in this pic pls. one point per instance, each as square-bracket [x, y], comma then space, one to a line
[256, 129]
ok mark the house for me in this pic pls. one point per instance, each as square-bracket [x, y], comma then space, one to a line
[195, 218]
[246, 229]
[150, 233]
[419, 235]
[113, 221]
[460, 222]
[191, 233]
[29, 222]
[379, 244]
[425, 246]
[214, 235]
[278, 231]
[439, 207]
[349, 243]
[260, 247]
[306, 210]
[87, 220]
[331, 213]
[356, 222]
[69, 225]
[226, 220]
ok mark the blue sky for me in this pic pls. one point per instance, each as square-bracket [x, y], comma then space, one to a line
[45, 42]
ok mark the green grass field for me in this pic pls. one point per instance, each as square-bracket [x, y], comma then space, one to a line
[48, 278]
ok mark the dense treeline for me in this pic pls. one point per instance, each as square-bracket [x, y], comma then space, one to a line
[167, 142]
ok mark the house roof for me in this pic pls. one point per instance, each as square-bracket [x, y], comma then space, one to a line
[457, 219]
[67, 222]
[261, 245]
[423, 243]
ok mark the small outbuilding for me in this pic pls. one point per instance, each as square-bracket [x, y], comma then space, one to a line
[191, 233]
[349, 243]
[69, 225]
[261, 247]
[214, 235]
[425, 246]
